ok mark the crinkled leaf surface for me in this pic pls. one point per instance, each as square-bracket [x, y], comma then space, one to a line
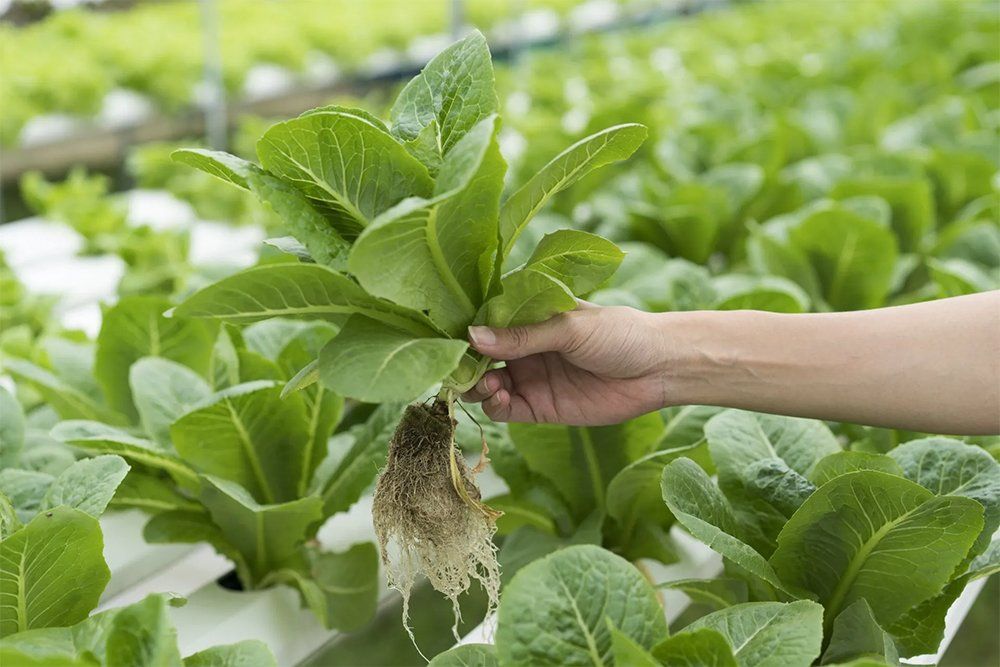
[373, 362]
[738, 438]
[555, 611]
[455, 91]
[840, 463]
[25, 490]
[528, 297]
[350, 169]
[322, 242]
[435, 255]
[875, 536]
[52, 571]
[769, 634]
[579, 260]
[950, 467]
[88, 485]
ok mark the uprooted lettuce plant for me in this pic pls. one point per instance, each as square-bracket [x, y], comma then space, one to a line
[403, 233]
[884, 542]
[218, 456]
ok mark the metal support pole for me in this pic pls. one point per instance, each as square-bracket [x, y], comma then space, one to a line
[216, 123]
[457, 18]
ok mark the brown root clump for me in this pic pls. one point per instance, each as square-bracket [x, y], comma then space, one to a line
[428, 515]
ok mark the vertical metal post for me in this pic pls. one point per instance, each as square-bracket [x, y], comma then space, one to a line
[457, 18]
[215, 106]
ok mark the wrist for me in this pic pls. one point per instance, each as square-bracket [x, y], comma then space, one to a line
[708, 357]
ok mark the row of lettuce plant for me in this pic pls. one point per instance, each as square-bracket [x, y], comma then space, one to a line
[832, 556]
[53, 571]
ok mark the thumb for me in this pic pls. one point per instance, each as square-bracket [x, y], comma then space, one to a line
[521, 341]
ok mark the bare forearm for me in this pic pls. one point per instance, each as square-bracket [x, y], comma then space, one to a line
[926, 367]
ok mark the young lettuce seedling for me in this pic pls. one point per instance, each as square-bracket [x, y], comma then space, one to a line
[403, 235]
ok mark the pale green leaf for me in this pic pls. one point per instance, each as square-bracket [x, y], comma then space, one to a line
[349, 583]
[52, 571]
[769, 634]
[435, 255]
[467, 655]
[695, 648]
[626, 652]
[579, 260]
[840, 463]
[163, 391]
[246, 653]
[267, 535]
[134, 328]
[67, 401]
[305, 291]
[350, 169]
[717, 593]
[11, 429]
[856, 634]
[455, 91]
[875, 536]
[702, 509]
[609, 145]
[556, 610]
[257, 440]
[96, 438]
[88, 485]
[528, 297]
[853, 257]
[372, 362]
[217, 163]
[142, 634]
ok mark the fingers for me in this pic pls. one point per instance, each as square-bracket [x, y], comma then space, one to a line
[506, 407]
[487, 386]
[552, 335]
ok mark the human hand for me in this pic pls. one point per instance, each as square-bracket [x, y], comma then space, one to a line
[591, 366]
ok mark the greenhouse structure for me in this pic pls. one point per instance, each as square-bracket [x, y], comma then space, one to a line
[499, 333]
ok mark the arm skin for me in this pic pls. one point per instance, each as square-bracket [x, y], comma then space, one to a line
[931, 367]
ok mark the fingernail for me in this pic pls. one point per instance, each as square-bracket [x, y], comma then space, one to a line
[482, 335]
[491, 382]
